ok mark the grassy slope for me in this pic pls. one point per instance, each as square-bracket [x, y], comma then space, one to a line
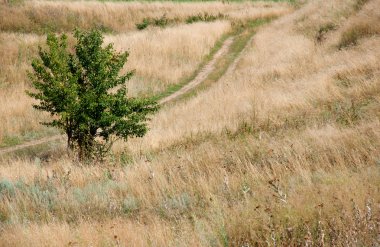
[17, 49]
[300, 166]
[241, 32]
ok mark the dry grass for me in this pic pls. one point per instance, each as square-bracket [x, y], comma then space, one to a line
[365, 24]
[275, 80]
[39, 16]
[16, 114]
[284, 150]
[160, 58]
[165, 57]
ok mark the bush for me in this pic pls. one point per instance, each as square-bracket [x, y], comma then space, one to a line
[162, 22]
[144, 24]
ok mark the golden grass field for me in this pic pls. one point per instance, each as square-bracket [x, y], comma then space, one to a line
[160, 57]
[284, 150]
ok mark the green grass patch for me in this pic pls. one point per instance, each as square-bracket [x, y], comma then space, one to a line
[10, 141]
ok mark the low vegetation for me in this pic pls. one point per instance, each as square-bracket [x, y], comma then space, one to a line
[206, 17]
[163, 21]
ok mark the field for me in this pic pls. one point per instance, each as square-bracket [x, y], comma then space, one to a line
[279, 146]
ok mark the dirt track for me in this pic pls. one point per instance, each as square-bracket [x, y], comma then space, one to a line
[202, 75]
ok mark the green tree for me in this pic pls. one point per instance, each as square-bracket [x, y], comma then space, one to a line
[84, 92]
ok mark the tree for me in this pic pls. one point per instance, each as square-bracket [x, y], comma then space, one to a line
[84, 92]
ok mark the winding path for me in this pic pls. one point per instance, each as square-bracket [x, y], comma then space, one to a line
[200, 77]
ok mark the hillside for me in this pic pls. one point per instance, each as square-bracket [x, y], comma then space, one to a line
[282, 149]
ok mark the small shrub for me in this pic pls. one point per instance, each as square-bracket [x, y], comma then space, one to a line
[43, 197]
[144, 24]
[162, 21]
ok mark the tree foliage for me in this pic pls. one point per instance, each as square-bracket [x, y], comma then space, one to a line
[84, 92]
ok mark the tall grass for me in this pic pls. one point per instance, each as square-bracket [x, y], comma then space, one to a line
[164, 57]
